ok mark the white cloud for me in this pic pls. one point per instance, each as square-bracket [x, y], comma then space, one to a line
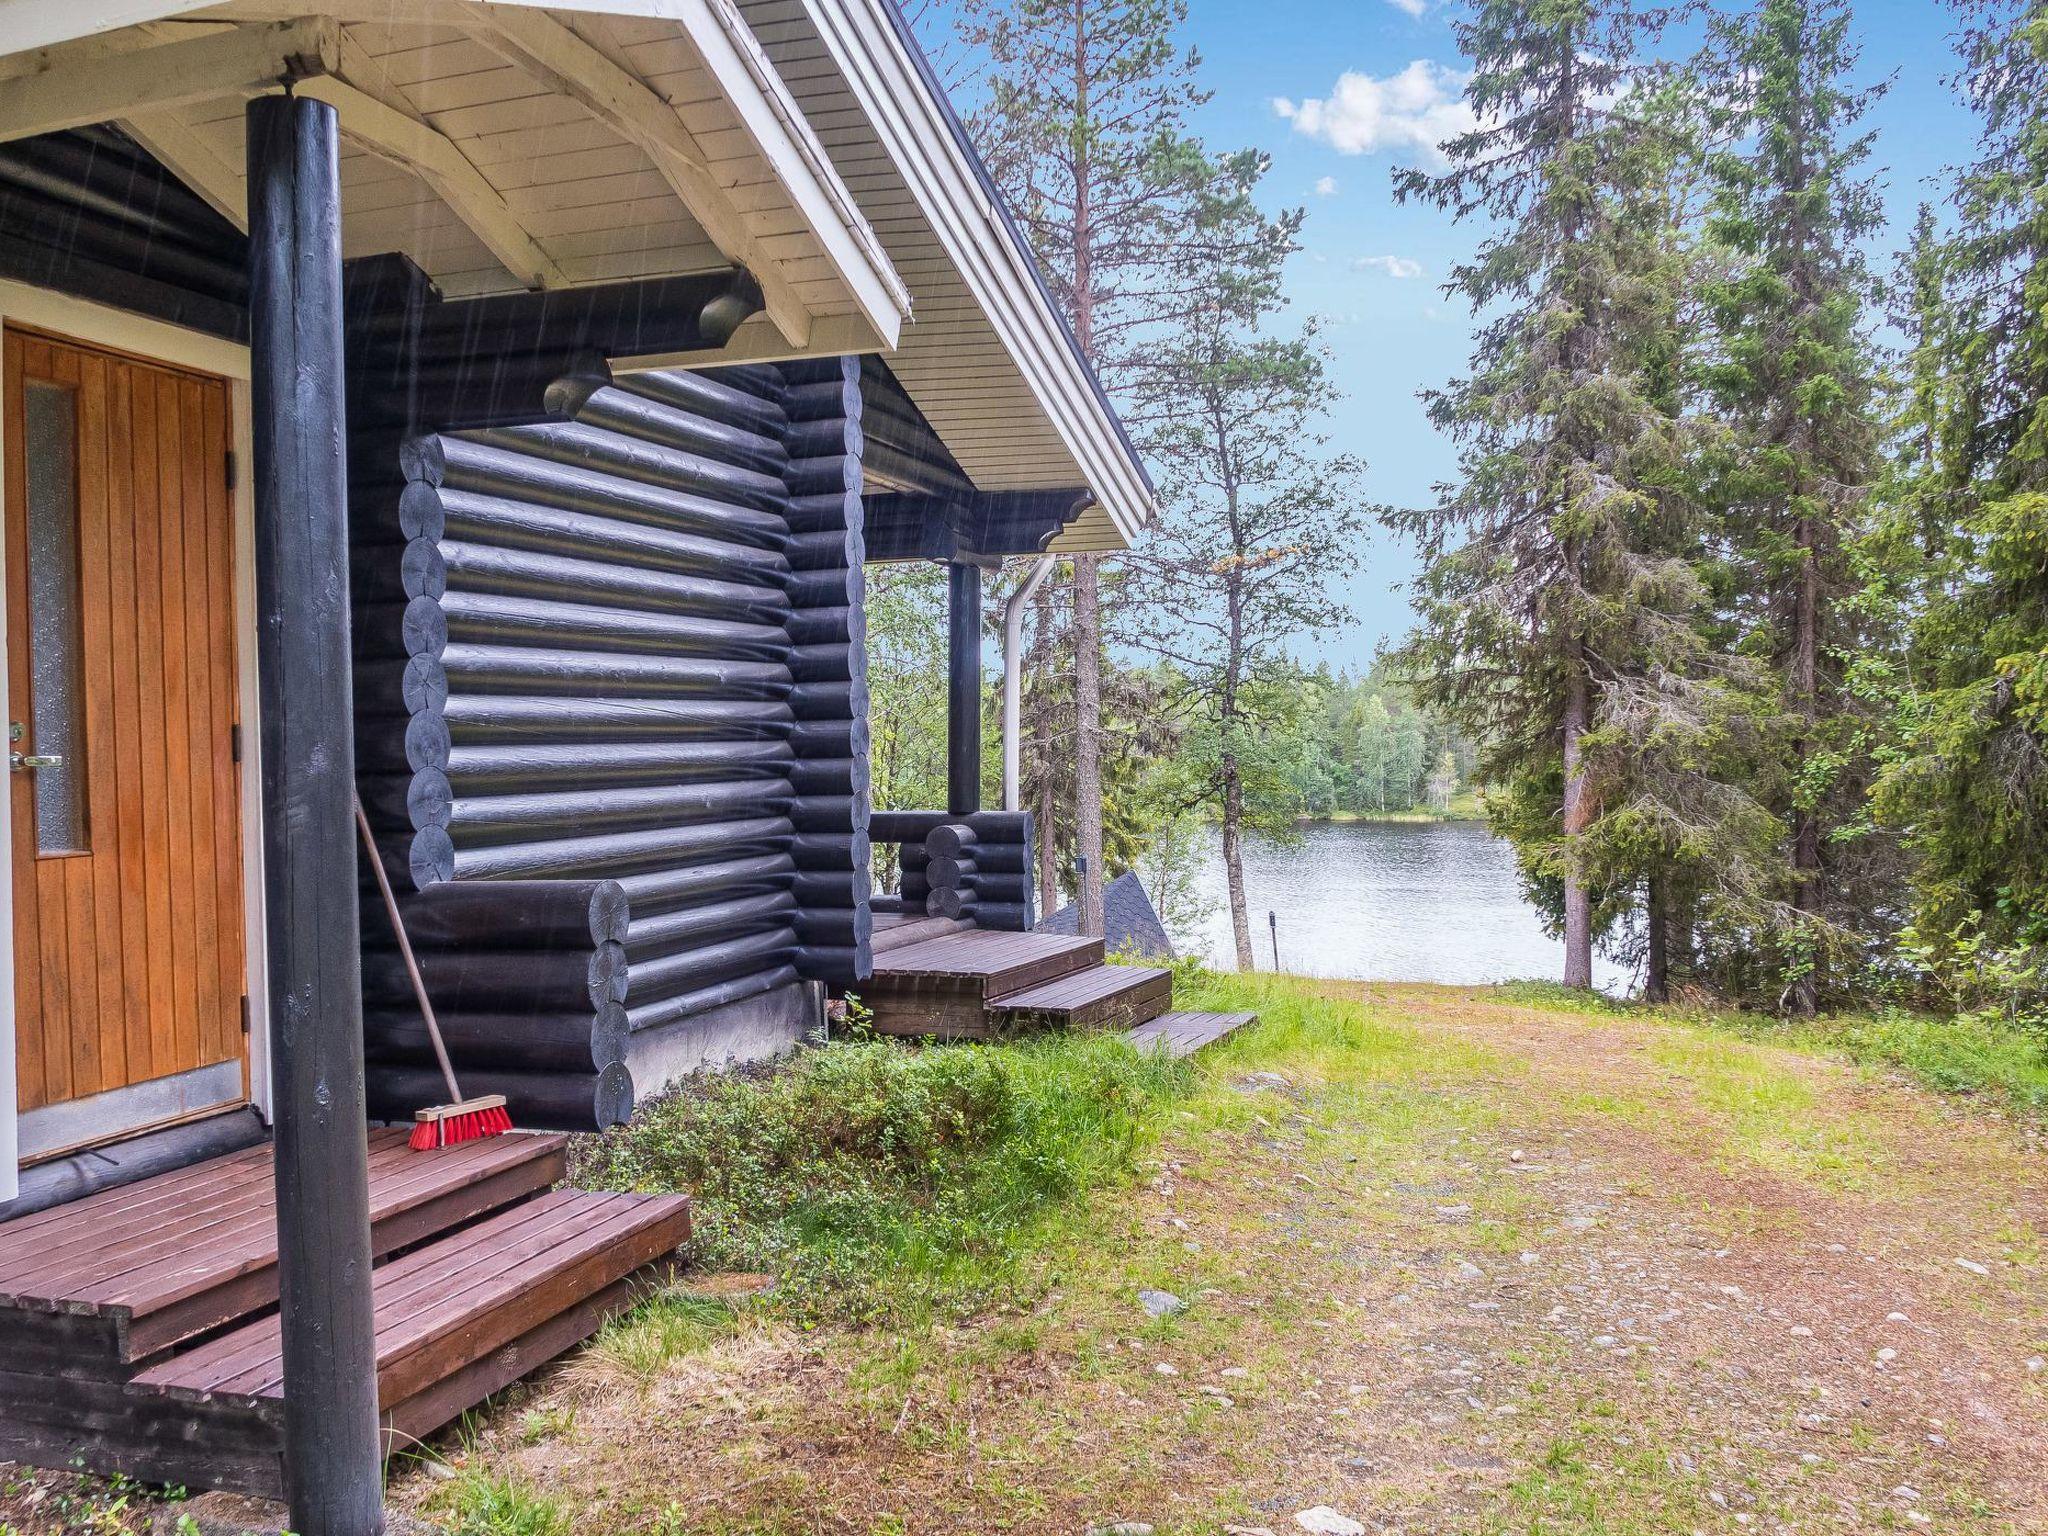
[1409, 113]
[1326, 186]
[1393, 266]
[1413, 8]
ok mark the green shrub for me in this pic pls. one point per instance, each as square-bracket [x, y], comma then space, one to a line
[875, 1178]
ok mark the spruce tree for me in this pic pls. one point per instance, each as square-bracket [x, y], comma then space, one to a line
[1548, 595]
[1970, 785]
[1793, 377]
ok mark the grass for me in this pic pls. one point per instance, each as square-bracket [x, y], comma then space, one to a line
[878, 1182]
[1969, 1057]
[960, 1235]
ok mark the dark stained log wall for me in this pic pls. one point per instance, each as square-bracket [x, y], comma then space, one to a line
[612, 714]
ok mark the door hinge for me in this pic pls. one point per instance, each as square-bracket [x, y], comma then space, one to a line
[235, 742]
[245, 1014]
[230, 467]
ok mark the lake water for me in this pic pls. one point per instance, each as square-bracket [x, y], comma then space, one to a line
[1391, 901]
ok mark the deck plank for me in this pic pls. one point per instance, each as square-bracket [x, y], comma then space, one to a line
[165, 1263]
[1180, 1035]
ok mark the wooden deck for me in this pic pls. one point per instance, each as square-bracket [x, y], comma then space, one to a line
[138, 1327]
[934, 980]
[1182, 1034]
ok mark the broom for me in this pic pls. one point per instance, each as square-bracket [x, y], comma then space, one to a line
[460, 1119]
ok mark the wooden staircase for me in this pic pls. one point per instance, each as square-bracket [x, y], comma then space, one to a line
[943, 979]
[139, 1332]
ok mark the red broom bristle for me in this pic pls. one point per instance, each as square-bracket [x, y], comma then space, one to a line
[426, 1135]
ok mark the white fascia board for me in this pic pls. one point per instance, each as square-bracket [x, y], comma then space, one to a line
[784, 139]
[917, 131]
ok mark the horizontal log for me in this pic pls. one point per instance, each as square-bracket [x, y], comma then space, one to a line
[825, 776]
[824, 664]
[998, 858]
[823, 589]
[701, 964]
[686, 1005]
[822, 626]
[951, 840]
[656, 891]
[824, 813]
[496, 980]
[535, 815]
[524, 1040]
[830, 850]
[530, 669]
[822, 701]
[837, 965]
[816, 889]
[476, 769]
[499, 718]
[433, 856]
[835, 926]
[490, 618]
[826, 437]
[496, 469]
[543, 914]
[630, 458]
[834, 549]
[830, 738]
[659, 421]
[537, 1101]
[830, 511]
[702, 395]
[826, 399]
[431, 569]
[440, 514]
[818, 476]
[1008, 917]
[666, 932]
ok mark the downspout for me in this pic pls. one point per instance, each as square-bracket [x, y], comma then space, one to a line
[1013, 681]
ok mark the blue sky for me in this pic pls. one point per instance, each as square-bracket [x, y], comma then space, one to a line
[1369, 83]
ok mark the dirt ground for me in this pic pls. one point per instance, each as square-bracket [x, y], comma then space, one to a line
[1473, 1267]
[1452, 1264]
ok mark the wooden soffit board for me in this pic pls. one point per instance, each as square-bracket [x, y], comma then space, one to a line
[499, 146]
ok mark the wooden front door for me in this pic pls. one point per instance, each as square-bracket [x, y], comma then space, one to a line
[121, 703]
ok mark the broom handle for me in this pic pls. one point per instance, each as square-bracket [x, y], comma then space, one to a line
[412, 966]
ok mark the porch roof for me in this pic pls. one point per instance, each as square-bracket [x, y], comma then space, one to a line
[504, 146]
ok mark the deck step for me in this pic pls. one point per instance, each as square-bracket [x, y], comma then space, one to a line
[1101, 997]
[1183, 1034]
[456, 1320]
[135, 1270]
[938, 988]
[896, 936]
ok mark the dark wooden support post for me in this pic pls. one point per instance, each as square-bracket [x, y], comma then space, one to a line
[963, 688]
[331, 1451]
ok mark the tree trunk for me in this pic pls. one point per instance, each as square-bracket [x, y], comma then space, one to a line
[1578, 904]
[1803, 998]
[1088, 746]
[1046, 828]
[1657, 963]
[1233, 861]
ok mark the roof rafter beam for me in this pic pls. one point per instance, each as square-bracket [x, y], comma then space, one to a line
[245, 61]
[193, 161]
[422, 149]
[568, 63]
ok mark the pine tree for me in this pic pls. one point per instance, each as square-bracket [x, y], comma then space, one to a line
[1085, 127]
[1256, 518]
[1548, 594]
[1794, 379]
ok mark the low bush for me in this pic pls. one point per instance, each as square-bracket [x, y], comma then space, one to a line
[875, 1178]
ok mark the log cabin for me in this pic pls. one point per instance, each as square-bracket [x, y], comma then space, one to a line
[485, 411]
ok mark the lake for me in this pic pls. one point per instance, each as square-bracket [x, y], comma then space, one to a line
[1391, 901]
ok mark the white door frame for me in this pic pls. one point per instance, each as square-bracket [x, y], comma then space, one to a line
[176, 347]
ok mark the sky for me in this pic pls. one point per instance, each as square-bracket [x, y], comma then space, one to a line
[1342, 91]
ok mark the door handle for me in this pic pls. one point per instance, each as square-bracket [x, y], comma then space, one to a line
[21, 762]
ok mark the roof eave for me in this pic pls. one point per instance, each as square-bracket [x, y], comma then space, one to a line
[871, 44]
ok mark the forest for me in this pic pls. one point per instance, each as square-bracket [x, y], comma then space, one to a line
[1737, 604]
